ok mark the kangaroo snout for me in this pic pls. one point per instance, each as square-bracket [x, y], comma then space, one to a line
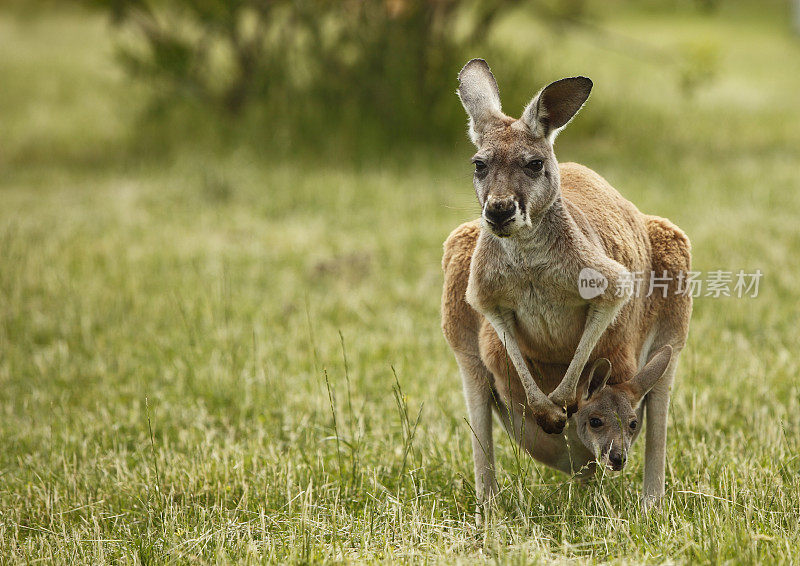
[616, 459]
[498, 212]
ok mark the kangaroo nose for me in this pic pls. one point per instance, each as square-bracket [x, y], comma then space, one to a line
[498, 212]
[617, 459]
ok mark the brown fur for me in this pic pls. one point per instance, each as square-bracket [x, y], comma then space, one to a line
[667, 249]
[518, 324]
[662, 246]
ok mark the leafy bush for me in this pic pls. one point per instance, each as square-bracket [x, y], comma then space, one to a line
[314, 65]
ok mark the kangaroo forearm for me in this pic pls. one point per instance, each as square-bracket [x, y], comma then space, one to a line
[507, 336]
[597, 321]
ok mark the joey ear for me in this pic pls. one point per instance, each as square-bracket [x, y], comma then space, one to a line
[555, 105]
[643, 382]
[596, 378]
[477, 89]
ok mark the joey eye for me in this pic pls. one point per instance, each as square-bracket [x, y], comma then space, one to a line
[534, 166]
[594, 422]
[633, 425]
[480, 166]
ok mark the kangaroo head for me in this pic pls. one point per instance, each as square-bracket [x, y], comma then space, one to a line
[516, 172]
[606, 417]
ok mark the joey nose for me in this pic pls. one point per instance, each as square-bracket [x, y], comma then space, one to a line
[616, 458]
[498, 212]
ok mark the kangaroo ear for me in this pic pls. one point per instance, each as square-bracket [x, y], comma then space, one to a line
[480, 96]
[596, 378]
[555, 105]
[643, 382]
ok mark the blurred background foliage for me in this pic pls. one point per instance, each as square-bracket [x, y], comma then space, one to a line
[309, 68]
[355, 74]
[352, 80]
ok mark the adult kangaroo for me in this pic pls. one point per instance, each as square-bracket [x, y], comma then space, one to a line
[512, 311]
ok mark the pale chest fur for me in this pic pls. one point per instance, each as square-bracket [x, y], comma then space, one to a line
[548, 313]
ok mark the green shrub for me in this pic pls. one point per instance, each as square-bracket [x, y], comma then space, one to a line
[317, 67]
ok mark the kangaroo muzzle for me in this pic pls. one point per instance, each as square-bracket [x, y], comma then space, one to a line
[616, 459]
[499, 212]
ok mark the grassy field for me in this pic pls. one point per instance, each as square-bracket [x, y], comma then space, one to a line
[226, 357]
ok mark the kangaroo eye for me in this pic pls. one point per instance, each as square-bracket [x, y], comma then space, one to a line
[480, 166]
[594, 422]
[633, 425]
[534, 166]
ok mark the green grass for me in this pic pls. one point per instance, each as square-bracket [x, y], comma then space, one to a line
[235, 358]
